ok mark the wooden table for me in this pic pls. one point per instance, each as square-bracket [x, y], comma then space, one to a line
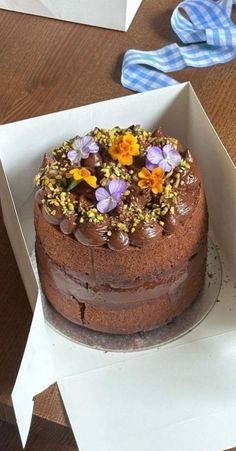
[46, 66]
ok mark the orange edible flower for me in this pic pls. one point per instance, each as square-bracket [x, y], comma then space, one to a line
[124, 148]
[152, 180]
[80, 174]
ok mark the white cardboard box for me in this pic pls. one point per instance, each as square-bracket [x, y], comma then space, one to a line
[116, 14]
[178, 397]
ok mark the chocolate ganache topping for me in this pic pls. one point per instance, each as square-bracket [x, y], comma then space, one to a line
[118, 240]
[118, 187]
[92, 234]
[145, 232]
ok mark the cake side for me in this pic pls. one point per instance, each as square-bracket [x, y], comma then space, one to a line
[140, 289]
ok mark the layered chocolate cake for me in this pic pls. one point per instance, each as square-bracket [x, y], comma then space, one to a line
[121, 229]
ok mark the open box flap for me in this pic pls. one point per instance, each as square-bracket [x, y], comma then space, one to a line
[17, 240]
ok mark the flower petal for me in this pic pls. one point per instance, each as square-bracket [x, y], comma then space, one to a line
[106, 205]
[91, 180]
[113, 151]
[75, 173]
[157, 188]
[89, 143]
[158, 173]
[165, 165]
[149, 165]
[101, 194]
[77, 144]
[154, 155]
[116, 188]
[84, 146]
[73, 156]
[85, 152]
[125, 160]
[123, 149]
[144, 173]
[134, 150]
[84, 172]
[167, 149]
[143, 184]
[174, 158]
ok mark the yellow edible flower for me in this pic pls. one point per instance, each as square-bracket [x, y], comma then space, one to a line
[80, 174]
[124, 148]
[152, 180]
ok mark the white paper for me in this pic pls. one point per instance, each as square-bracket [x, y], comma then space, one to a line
[170, 399]
[78, 369]
[35, 375]
[115, 14]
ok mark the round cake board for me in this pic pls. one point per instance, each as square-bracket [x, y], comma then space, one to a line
[140, 341]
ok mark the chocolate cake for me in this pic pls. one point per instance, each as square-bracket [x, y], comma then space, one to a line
[121, 229]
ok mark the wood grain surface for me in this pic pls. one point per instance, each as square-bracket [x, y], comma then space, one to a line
[46, 66]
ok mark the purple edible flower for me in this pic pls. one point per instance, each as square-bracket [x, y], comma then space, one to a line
[81, 148]
[166, 158]
[110, 196]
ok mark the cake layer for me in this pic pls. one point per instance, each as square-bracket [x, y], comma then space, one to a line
[122, 311]
[173, 282]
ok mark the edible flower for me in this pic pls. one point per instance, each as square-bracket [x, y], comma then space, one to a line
[124, 148]
[81, 148]
[152, 180]
[166, 158]
[110, 196]
[79, 174]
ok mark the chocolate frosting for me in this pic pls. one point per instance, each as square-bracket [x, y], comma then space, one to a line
[47, 160]
[118, 241]
[87, 201]
[187, 193]
[39, 196]
[145, 233]
[93, 161]
[180, 148]
[183, 209]
[68, 225]
[158, 133]
[184, 205]
[170, 224]
[188, 156]
[92, 234]
[82, 188]
[52, 219]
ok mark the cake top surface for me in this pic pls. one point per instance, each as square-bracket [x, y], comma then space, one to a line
[116, 187]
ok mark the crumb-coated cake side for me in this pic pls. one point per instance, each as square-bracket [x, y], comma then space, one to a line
[121, 229]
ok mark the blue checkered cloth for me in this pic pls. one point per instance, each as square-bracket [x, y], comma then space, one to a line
[208, 30]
